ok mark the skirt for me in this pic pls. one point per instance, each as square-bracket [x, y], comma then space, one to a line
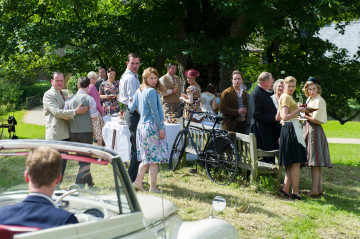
[290, 150]
[150, 148]
[316, 146]
[98, 124]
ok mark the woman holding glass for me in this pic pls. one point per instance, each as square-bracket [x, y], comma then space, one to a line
[109, 91]
[192, 98]
[292, 145]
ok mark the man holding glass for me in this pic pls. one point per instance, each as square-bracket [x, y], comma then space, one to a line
[233, 105]
[172, 84]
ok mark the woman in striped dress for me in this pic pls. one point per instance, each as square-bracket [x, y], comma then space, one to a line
[317, 148]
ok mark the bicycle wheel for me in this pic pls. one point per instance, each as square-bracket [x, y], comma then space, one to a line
[222, 168]
[177, 150]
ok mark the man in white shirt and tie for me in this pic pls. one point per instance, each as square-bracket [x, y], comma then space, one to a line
[129, 83]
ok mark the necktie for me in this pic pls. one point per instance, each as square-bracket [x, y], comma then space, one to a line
[62, 94]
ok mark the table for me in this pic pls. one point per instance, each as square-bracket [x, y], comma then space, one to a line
[117, 136]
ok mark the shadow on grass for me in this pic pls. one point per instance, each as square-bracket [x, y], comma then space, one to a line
[341, 185]
[239, 205]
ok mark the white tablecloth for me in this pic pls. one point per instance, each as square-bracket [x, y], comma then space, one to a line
[122, 141]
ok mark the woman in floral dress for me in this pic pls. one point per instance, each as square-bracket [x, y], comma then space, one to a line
[109, 91]
[150, 135]
[192, 98]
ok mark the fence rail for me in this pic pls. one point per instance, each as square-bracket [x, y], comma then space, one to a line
[32, 101]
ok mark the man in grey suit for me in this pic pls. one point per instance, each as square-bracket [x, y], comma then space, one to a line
[57, 127]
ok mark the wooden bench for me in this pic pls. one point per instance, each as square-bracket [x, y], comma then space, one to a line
[5, 126]
[249, 156]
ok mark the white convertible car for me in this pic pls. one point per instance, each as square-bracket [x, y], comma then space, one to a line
[110, 209]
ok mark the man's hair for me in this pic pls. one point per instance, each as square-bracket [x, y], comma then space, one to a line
[43, 165]
[83, 82]
[264, 76]
[170, 64]
[133, 55]
[236, 72]
[56, 73]
[101, 67]
[92, 74]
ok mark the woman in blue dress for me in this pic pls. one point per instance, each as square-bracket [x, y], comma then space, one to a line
[150, 136]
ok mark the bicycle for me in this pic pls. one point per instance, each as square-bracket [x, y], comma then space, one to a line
[219, 156]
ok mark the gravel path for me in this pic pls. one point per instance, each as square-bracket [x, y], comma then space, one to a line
[343, 141]
[37, 116]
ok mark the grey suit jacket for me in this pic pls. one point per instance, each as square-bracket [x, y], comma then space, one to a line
[56, 127]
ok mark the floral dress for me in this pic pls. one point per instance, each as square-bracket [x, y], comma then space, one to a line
[110, 106]
[150, 148]
[195, 90]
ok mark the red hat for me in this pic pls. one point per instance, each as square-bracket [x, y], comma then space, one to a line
[192, 73]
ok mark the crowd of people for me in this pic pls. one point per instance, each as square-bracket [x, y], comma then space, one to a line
[270, 112]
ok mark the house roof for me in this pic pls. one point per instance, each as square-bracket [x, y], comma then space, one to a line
[350, 40]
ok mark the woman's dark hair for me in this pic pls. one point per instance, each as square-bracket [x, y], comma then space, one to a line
[211, 88]
[110, 70]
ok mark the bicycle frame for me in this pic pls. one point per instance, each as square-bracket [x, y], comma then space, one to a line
[211, 135]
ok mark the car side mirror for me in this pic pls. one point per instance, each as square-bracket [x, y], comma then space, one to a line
[219, 204]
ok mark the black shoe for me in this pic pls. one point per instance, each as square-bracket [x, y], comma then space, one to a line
[284, 193]
[296, 197]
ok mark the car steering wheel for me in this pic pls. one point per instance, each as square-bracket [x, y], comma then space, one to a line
[106, 213]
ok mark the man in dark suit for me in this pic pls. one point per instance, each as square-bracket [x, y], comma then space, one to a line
[43, 173]
[262, 113]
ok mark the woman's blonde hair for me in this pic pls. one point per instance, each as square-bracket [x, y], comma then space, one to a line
[304, 89]
[147, 72]
[289, 79]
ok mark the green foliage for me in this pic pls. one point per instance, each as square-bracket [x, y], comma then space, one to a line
[213, 36]
[38, 88]
[72, 83]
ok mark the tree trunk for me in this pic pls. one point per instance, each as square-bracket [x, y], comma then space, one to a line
[159, 64]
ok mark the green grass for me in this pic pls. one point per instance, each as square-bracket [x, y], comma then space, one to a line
[333, 129]
[345, 154]
[22, 130]
[264, 213]
[257, 210]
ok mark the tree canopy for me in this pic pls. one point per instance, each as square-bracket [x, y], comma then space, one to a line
[213, 36]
